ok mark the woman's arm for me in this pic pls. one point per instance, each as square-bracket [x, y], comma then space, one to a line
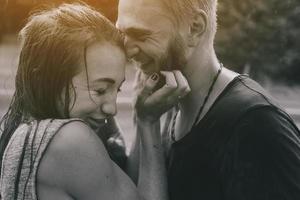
[152, 180]
[76, 165]
[149, 106]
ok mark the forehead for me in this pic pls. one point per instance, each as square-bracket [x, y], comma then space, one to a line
[105, 60]
[133, 5]
[142, 13]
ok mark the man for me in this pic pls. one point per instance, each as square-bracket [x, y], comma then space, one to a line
[227, 138]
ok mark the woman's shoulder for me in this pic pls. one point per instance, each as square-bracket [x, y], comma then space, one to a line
[73, 137]
[73, 134]
[74, 149]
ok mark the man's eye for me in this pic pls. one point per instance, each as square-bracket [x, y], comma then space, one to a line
[142, 38]
[139, 36]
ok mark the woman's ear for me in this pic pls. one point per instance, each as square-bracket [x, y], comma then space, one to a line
[197, 27]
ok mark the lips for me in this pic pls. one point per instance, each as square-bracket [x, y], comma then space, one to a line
[101, 127]
[96, 123]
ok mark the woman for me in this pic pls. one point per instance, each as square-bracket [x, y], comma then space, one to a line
[70, 70]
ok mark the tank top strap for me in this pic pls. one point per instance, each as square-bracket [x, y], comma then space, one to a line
[22, 157]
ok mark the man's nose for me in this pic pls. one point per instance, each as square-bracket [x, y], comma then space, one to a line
[131, 49]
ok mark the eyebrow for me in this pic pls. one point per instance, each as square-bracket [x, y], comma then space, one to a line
[134, 31]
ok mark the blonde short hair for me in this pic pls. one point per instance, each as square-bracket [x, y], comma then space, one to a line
[184, 9]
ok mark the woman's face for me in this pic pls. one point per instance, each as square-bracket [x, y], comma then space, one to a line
[96, 90]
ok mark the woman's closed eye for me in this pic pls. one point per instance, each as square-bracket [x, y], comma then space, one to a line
[100, 91]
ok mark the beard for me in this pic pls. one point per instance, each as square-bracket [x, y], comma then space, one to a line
[175, 58]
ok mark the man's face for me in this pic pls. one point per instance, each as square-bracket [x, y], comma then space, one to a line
[150, 36]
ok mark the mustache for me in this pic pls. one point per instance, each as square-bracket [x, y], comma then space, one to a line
[175, 58]
[178, 53]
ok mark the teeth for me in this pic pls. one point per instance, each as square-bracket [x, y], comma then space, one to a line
[96, 123]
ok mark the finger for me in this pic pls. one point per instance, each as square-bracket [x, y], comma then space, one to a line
[162, 96]
[148, 87]
[170, 79]
[169, 93]
[138, 80]
[169, 89]
[183, 87]
[151, 82]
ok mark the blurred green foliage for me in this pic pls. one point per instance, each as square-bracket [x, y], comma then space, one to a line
[261, 38]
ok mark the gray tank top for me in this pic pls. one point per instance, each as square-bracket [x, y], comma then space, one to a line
[25, 151]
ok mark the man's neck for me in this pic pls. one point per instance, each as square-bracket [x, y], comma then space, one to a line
[200, 73]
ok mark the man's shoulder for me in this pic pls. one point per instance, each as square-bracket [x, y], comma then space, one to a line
[240, 96]
[266, 127]
[246, 92]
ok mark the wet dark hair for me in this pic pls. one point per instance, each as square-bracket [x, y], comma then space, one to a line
[53, 44]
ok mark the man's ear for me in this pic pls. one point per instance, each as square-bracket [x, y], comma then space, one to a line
[197, 27]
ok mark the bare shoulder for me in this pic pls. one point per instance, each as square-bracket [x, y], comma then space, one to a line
[74, 157]
[77, 163]
[75, 141]
[73, 138]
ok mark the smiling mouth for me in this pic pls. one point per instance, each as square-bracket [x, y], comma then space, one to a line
[96, 123]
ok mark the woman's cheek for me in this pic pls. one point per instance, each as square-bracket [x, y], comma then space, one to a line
[83, 109]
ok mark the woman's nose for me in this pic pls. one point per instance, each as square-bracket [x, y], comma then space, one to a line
[109, 108]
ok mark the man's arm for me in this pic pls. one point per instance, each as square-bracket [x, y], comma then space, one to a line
[262, 159]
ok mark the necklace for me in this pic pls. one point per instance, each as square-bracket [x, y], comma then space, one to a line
[201, 108]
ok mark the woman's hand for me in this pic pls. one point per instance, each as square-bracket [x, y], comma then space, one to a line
[152, 102]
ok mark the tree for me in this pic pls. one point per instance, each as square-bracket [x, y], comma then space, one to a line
[261, 36]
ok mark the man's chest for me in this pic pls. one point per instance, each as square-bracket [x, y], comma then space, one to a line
[192, 174]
